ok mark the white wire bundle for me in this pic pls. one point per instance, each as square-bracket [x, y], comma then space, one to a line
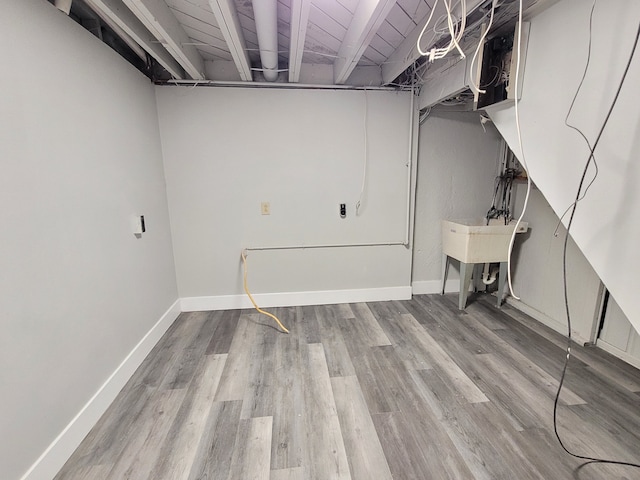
[456, 31]
[522, 159]
[472, 83]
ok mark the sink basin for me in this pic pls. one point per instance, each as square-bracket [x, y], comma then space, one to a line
[472, 241]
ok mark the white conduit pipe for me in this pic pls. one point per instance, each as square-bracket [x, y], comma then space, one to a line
[326, 245]
[266, 17]
[290, 86]
[412, 117]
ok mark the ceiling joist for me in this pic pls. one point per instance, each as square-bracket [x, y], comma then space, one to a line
[160, 21]
[377, 35]
[299, 21]
[126, 38]
[367, 18]
[227, 18]
[121, 16]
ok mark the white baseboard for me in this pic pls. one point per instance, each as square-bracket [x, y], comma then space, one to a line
[59, 451]
[427, 287]
[621, 354]
[290, 299]
[545, 319]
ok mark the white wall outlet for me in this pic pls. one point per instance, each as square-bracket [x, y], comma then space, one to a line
[265, 208]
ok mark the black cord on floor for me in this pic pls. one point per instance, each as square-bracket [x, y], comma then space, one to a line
[566, 239]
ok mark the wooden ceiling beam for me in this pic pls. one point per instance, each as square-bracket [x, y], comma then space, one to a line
[160, 21]
[118, 13]
[367, 18]
[227, 18]
[299, 22]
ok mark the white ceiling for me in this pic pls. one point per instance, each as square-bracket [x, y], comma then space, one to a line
[357, 42]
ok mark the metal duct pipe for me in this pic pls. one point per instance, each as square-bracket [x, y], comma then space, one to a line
[266, 17]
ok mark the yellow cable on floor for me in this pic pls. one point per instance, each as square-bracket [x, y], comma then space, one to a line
[246, 289]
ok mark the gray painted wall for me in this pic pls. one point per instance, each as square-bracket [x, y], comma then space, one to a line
[605, 227]
[537, 272]
[456, 170]
[80, 155]
[455, 180]
[227, 150]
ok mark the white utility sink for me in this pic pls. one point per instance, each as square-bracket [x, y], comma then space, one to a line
[472, 241]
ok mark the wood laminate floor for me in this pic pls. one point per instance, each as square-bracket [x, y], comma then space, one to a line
[390, 390]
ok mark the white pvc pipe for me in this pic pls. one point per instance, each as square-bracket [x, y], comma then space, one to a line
[489, 274]
[266, 17]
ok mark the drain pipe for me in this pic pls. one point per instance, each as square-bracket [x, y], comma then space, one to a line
[489, 274]
[266, 17]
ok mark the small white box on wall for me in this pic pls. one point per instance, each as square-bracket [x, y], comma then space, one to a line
[138, 225]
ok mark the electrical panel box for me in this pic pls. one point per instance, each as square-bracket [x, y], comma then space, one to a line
[496, 73]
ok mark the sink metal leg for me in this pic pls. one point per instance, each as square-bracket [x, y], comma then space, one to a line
[446, 261]
[466, 269]
[502, 278]
[478, 286]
